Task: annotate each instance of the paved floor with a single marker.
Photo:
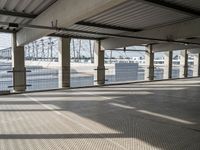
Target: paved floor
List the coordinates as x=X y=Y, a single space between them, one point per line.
x=143 y=116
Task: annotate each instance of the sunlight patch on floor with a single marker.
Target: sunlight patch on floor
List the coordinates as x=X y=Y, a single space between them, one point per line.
x=122 y=106
x=166 y=117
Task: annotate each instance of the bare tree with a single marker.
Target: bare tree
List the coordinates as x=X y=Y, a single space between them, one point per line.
x=111 y=57
x=74 y=51
x=91 y=51
x=79 y=50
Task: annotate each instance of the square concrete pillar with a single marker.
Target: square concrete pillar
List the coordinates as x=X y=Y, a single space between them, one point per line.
x=183 y=64
x=168 y=60
x=196 y=68
x=99 y=63
x=18 y=65
x=64 y=62
x=149 y=63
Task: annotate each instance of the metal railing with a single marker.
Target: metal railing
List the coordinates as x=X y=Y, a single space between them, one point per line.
x=6 y=79
x=82 y=75
x=41 y=78
x=125 y=73
x=45 y=78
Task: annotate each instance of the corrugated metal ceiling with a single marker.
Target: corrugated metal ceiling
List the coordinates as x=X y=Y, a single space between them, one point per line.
x=133 y=14
x=27 y=6
x=136 y=14
x=192 y=4
x=34 y=7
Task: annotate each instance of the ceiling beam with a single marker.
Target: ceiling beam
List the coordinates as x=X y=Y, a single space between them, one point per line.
x=17 y=14
x=74 y=36
x=104 y=35
x=173 y=6
x=194 y=51
x=6 y=31
x=124 y=50
x=104 y=26
x=169 y=46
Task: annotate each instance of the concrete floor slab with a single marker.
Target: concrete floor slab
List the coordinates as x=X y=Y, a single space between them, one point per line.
x=142 y=116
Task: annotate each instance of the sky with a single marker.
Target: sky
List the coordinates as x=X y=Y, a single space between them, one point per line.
x=5 y=40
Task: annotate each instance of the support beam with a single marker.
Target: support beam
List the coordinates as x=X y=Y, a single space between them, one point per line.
x=18 y=64
x=75 y=37
x=149 y=63
x=173 y=46
x=183 y=64
x=65 y=13
x=128 y=50
x=196 y=68
x=64 y=62
x=6 y=31
x=168 y=60
x=99 y=62
x=17 y=14
x=143 y=40
x=113 y=43
x=104 y=26
x=194 y=51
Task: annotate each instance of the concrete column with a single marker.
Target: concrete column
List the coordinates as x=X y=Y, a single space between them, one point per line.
x=196 y=68
x=18 y=65
x=99 y=62
x=149 y=61
x=183 y=64
x=64 y=62
x=168 y=58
